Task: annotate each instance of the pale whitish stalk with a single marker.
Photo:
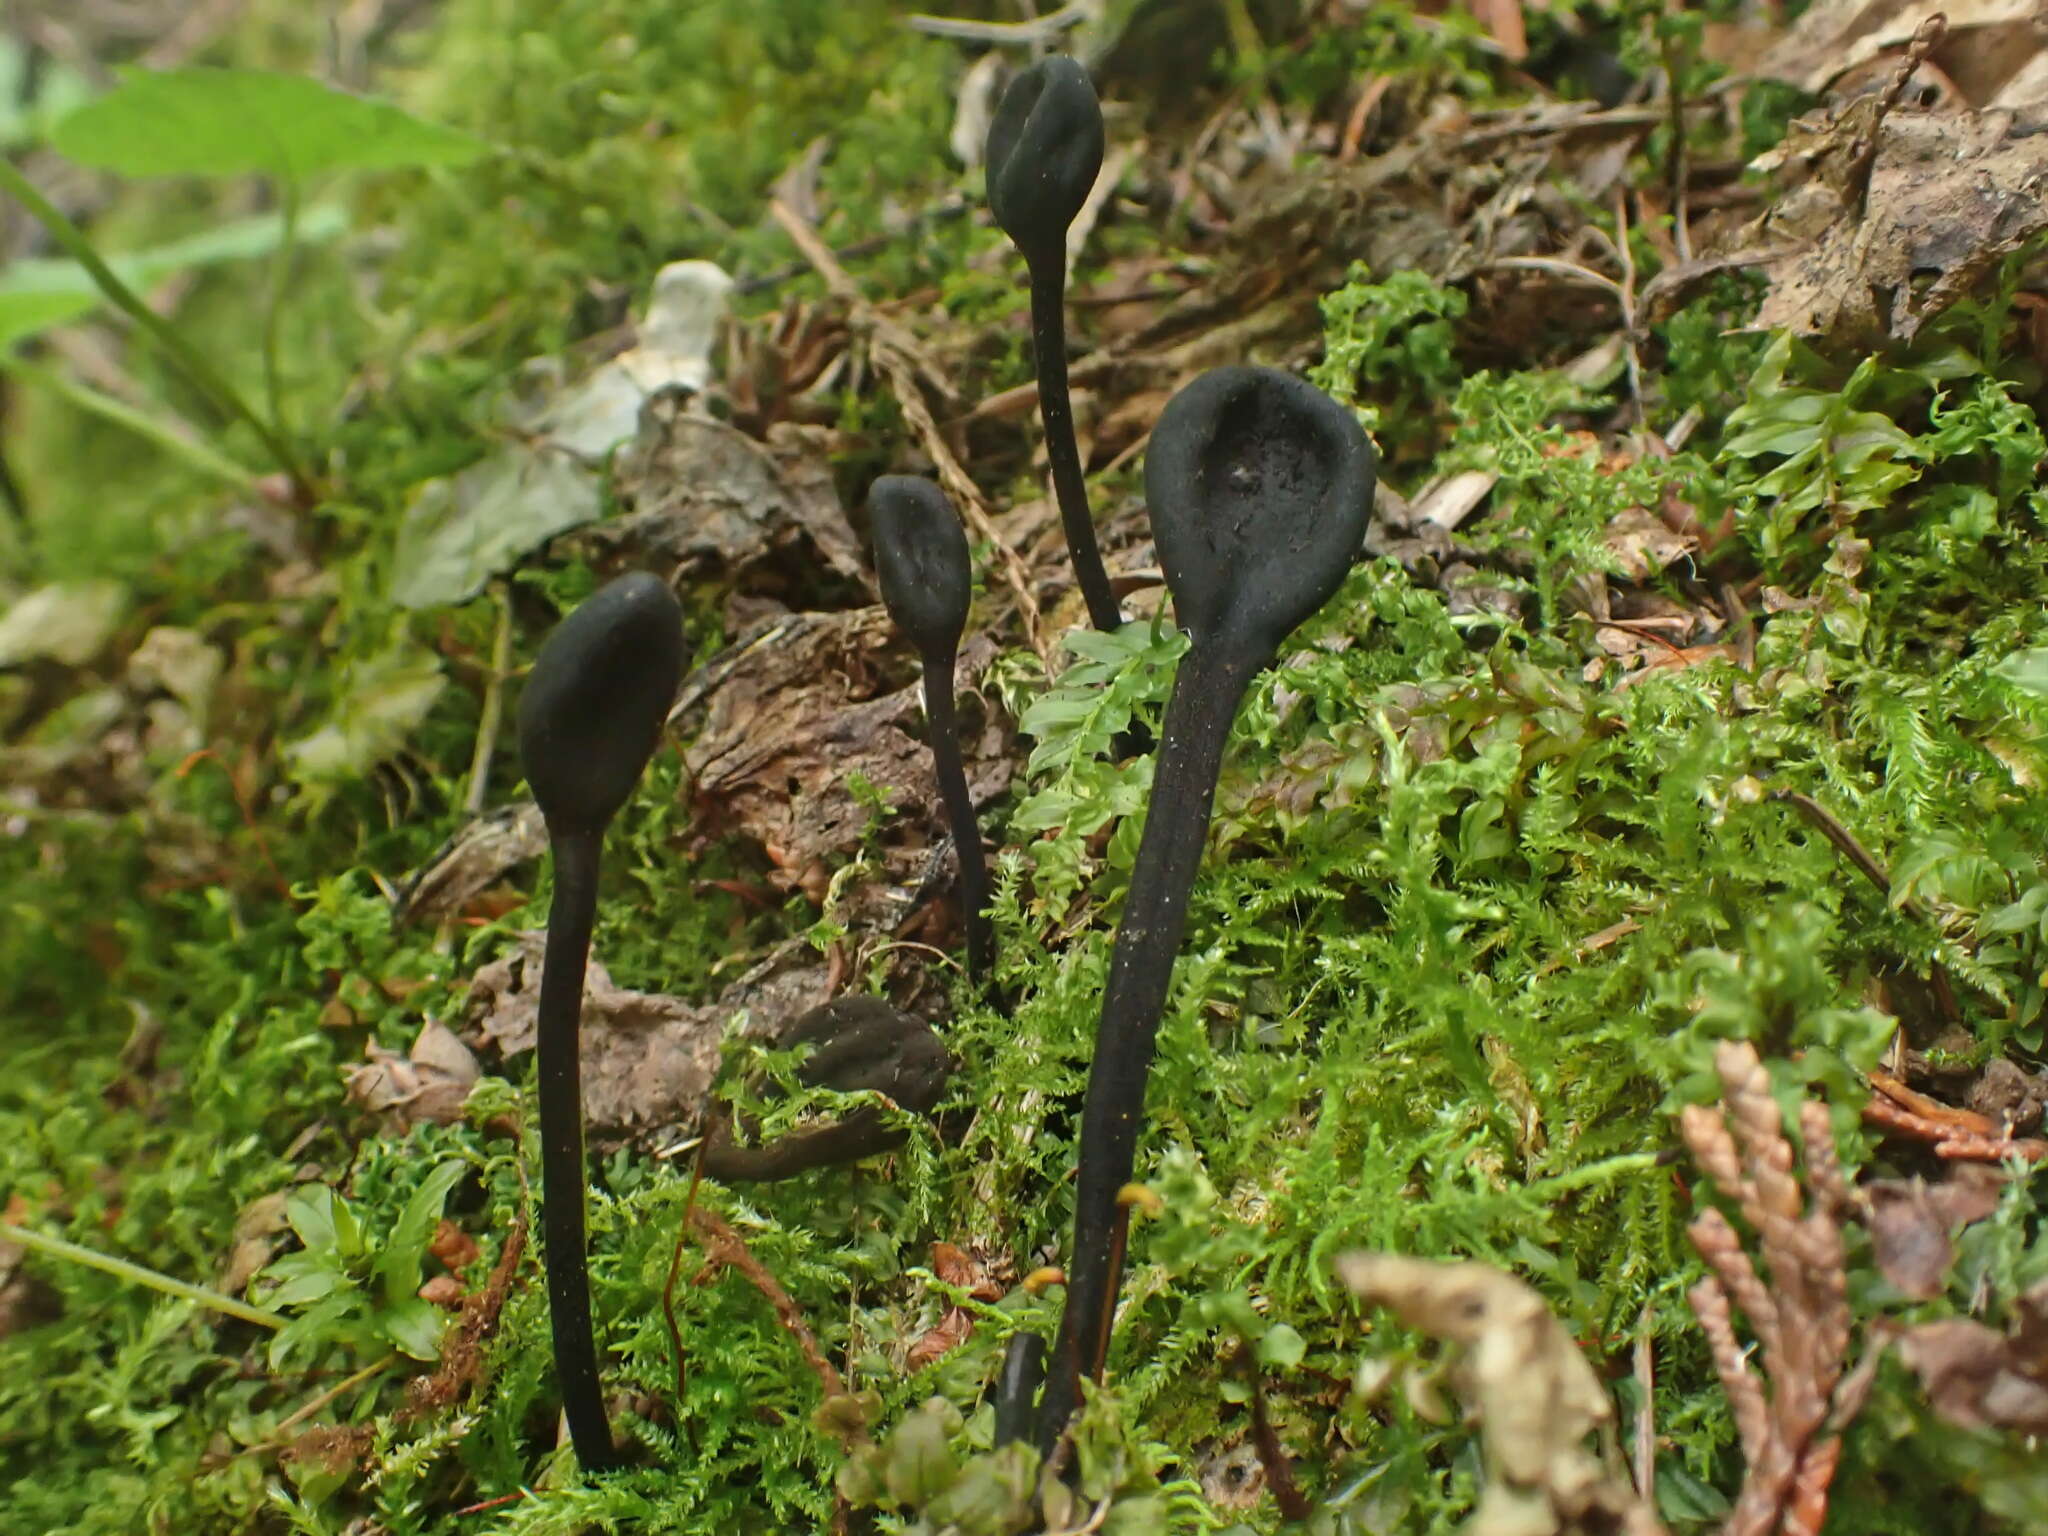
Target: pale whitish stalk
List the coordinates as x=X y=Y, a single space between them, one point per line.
x=122 y=1269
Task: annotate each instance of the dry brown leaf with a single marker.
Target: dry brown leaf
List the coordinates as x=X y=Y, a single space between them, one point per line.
x=1535 y=1398
x=1643 y=544
x=1992 y=54
x=796 y=714
x=426 y=1086
x=1859 y=258
x=471 y=862
x=699 y=495
x=1911 y=1222
x=1977 y=1377
x=648 y=1059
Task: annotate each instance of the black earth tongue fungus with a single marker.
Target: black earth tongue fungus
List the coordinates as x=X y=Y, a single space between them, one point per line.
x=862 y=1044
x=1044 y=153
x=927 y=582
x=1017 y=1388
x=589 y=720
x=1259 y=487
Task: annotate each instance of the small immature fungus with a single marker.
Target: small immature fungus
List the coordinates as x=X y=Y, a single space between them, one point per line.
x=1259 y=486
x=862 y=1044
x=1017 y=1388
x=1044 y=153
x=589 y=720
x=927 y=583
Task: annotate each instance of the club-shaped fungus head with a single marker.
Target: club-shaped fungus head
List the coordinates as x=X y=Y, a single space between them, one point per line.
x=1259 y=486
x=1044 y=153
x=595 y=701
x=922 y=560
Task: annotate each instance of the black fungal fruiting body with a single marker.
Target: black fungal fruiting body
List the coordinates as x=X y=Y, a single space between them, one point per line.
x=1044 y=152
x=862 y=1044
x=1259 y=487
x=589 y=719
x=927 y=583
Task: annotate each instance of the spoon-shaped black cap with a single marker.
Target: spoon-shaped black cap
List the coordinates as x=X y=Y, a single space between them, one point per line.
x=595 y=701
x=1259 y=485
x=1044 y=153
x=922 y=560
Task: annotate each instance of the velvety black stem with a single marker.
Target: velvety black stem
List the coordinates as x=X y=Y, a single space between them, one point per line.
x=944 y=724
x=1206 y=692
x=1056 y=406
x=570 y=917
x=1023 y=1371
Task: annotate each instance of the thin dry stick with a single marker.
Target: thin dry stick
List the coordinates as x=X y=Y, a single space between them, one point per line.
x=725 y=1248
x=903 y=361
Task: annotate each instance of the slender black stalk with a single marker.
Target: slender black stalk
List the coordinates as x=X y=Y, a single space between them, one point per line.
x=1063 y=453
x=1023 y=1370
x=1259 y=487
x=1206 y=692
x=927 y=582
x=942 y=719
x=571 y=915
x=589 y=719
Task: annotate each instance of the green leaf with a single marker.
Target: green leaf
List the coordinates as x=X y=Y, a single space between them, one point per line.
x=1282 y=1348
x=2026 y=670
x=384 y=698
x=310 y=1213
x=398 y=1260
x=44 y=291
x=414 y=1327
x=461 y=531
x=233 y=122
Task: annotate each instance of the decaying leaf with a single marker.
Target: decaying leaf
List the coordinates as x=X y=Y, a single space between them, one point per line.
x=1535 y=1398
x=1980 y=1378
x=380 y=702
x=955 y=1266
x=1911 y=1222
x=803 y=711
x=69 y=624
x=460 y=531
x=648 y=1060
x=698 y=495
x=1995 y=52
x=426 y=1086
x=471 y=862
x=1890 y=218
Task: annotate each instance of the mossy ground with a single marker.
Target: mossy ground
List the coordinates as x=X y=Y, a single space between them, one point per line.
x=1477 y=902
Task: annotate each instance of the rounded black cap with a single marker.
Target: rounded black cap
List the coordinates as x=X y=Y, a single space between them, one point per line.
x=921 y=558
x=1259 y=486
x=1044 y=153
x=595 y=701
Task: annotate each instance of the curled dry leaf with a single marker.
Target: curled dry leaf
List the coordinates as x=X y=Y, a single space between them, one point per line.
x=426 y=1086
x=1870 y=243
x=1995 y=53
x=1978 y=1377
x=1911 y=1222
x=648 y=1059
x=471 y=862
x=1535 y=1398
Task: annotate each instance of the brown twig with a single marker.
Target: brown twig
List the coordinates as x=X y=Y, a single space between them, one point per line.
x=910 y=374
x=724 y=1248
x=1294 y=1504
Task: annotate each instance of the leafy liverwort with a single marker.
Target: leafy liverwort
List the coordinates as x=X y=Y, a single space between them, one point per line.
x=1259 y=486
x=1044 y=153
x=927 y=583
x=589 y=720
